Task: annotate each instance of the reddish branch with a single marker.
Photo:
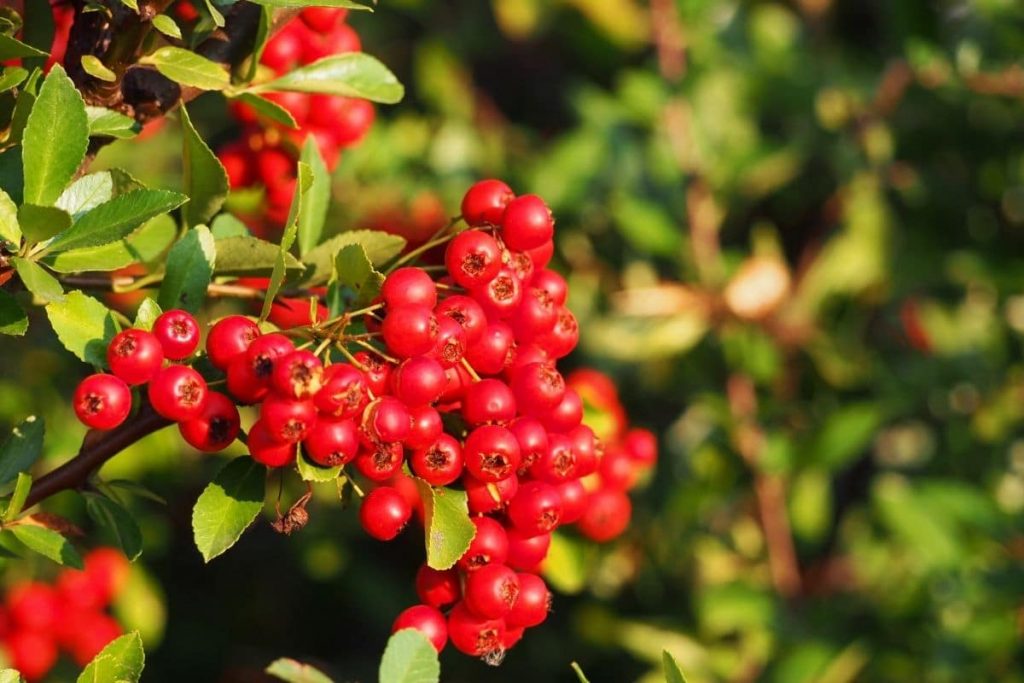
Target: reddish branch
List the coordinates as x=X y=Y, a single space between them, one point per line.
x=97 y=448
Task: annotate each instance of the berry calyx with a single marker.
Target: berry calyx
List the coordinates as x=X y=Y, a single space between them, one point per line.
x=215 y=428
x=135 y=356
x=102 y=401
x=178 y=334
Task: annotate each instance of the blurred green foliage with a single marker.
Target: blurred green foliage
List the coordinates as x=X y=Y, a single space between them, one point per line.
x=793 y=235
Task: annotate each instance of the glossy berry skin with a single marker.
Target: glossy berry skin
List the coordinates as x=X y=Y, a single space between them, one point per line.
x=532 y=438
x=491 y=453
x=527 y=223
x=553 y=284
x=606 y=515
x=178 y=334
x=490 y=544
x=536 y=508
x=538 y=388
x=484 y=203
x=410 y=331
x=425 y=427
x=215 y=428
x=178 y=393
x=642 y=446
x=450 y=346
x=419 y=381
x=380 y=461
x=297 y=375
x=408 y=286
x=287 y=420
x=332 y=442
x=491 y=591
x=243 y=383
x=32 y=653
x=473 y=258
x=558 y=463
x=135 y=356
x=525 y=553
x=488 y=401
x=574 y=500
x=263 y=354
x=102 y=401
x=344 y=391
x=467 y=313
x=439 y=463
x=376 y=372
x=501 y=295
x=427 y=620
x=387 y=420
x=473 y=635
x=535 y=316
x=436 y=587
x=384 y=513
x=532 y=604
x=228 y=338
x=267 y=451
x=494 y=351
x=566 y=416
x=489 y=496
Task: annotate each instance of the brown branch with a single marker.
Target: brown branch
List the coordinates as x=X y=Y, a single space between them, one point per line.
x=770 y=489
x=669 y=39
x=97 y=448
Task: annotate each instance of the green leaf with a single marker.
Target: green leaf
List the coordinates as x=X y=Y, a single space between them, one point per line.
x=448 y=530
x=13 y=320
x=353 y=74
x=55 y=139
x=11 y=48
x=83 y=325
x=352 y=268
x=9 y=229
x=190 y=265
x=312 y=472
x=132 y=4
x=40 y=223
x=313 y=210
x=23 y=107
x=206 y=181
x=19 y=496
x=121 y=661
x=347 y=4
x=112 y=220
x=144 y=245
x=579 y=673
x=409 y=658
x=10 y=676
x=218 y=18
x=305 y=179
x=846 y=434
x=122 y=525
x=567 y=564
x=225 y=225
x=380 y=247
x=48 y=543
x=92 y=65
x=250 y=256
x=22 y=448
x=673 y=674
x=86 y=193
x=147 y=314
x=188 y=68
x=228 y=506
x=11 y=77
x=166 y=26
x=267 y=109
x=296 y=672
x=37 y=280
x=259 y=43
x=111 y=124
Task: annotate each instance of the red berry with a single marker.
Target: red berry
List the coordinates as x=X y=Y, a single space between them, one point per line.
x=237 y=163
x=243 y=383
x=384 y=513
x=587 y=448
x=376 y=372
x=332 y=442
x=562 y=337
x=485 y=202
x=282 y=52
x=490 y=544
x=574 y=500
x=536 y=508
x=228 y=338
x=558 y=463
x=427 y=620
x=287 y=420
x=501 y=295
x=552 y=283
x=450 y=346
x=178 y=393
x=491 y=453
x=491 y=591
x=102 y=401
x=419 y=381
x=467 y=313
x=408 y=286
x=354 y=121
x=107 y=570
x=436 y=587
x=380 y=461
x=425 y=427
x=473 y=258
x=33 y=606
x=344 y=39
x=527 y=223
x=538 y=388
x=265 y=450
x=532 y=604
x=473 y=635
x=525 y=553
x=215 y=428
x=642 y=446
x=521 y=265
x=178 y=334
x=264 y=352
x=135 y=356
x=297 y=375
x=295 y=103
x=489 y=496
x=410 y=330
x=535 y=316
x=494 y=351
x=275 y=166
x=93 y=632
x=322 y=19
x=566 y=415
x=489 y=400
x=512 y=636
x=541 y=256
x=606 y=515
x=532 y=438
x=387 y=419
x=32 y=653
x=344 y=391
x=439 y=463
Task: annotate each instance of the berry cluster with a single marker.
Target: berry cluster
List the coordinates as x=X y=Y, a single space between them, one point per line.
x=39 y=619
x=267 y=152
x=207 y=420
